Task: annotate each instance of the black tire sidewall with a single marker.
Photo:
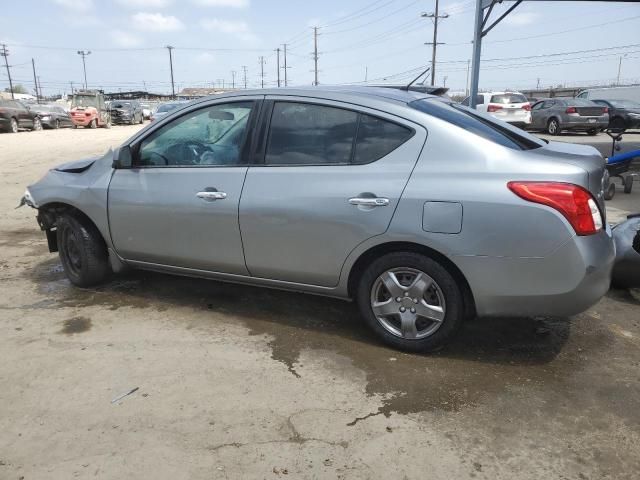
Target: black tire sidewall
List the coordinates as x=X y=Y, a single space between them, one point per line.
x=557 y=131
x=93 y=253
x=454 y=300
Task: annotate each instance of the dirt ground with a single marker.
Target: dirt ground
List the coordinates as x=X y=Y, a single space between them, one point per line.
x=237 y=382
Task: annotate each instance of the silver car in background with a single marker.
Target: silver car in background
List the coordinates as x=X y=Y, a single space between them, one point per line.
x=423 y=211
x=555 y=115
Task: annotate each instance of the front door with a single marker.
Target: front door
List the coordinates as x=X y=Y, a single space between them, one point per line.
x=332 y=177
x=178 y=205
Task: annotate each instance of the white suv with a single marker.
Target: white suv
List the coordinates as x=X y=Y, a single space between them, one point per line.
x=511 y=107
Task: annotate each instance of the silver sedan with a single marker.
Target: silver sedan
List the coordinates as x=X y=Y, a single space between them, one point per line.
x=424 y=212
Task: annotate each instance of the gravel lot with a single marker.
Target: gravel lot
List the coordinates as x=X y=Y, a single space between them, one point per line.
x=238 y=382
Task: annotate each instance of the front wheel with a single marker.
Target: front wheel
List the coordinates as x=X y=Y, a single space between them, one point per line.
x=553 y=127
x=410 y=301
x=82 y=251
x=37 y=124
x=56 y=125
x=13 y=126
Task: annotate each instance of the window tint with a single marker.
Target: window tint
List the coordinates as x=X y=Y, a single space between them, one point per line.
x=483 y=126
x=377 y=138
x=537 y=106
x=307 y=134
x=508 y=98
x=209 y=136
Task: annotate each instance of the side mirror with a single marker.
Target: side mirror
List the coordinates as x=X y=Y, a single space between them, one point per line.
x=122 y=158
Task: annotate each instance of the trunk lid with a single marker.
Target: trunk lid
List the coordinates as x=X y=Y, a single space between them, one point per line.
x=590 y=111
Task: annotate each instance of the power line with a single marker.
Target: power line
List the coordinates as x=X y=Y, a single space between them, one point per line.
x=358 y=13
x=373 y=21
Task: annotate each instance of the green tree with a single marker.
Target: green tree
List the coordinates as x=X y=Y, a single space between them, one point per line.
x=17 y=89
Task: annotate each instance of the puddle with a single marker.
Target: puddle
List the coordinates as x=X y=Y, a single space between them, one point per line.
x=488 y=358
x=76 y=325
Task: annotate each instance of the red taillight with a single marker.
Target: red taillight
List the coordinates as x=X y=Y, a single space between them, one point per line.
x=87 y=114
x=571 y=110
x=527 y=107
x=605 y=110
x=493 y=108
x=574 y=202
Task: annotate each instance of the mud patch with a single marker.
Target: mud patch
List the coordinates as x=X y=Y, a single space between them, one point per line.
x=75 y=325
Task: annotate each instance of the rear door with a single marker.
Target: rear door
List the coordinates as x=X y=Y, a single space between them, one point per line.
x=331 y=178
x=178 y=205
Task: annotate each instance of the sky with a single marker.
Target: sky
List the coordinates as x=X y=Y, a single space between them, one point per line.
x=545 y=43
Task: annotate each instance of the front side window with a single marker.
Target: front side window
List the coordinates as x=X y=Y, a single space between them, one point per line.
x=308 y=134
x=206 y=137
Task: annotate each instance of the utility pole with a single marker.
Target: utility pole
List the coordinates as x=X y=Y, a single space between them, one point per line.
x=40 y=87
x=5 y=53
x=173 y=87
x=233 y=79
x=466 y=84
x=538 y=84
x=285 y=64
x=35 y=80
x=83 y=54
x=619 y=70
x=435 y=16
x=71 y=83
x=315 y=55
x=444 y=83
x=261 y=71
x=366 y=73
x=278 y=68
x=244 y=75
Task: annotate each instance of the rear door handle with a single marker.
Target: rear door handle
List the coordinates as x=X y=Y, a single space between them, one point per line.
x=211 y=196
x=369 y=201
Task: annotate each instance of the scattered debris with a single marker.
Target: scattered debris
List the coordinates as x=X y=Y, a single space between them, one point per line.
x=120 y=397
x=328 y=462
x=389 y=429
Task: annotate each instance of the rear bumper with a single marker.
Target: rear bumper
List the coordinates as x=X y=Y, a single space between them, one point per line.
x=82 y=121
x=584 y=123
x=565 y=283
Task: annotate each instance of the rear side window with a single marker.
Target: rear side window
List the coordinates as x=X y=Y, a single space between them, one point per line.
x=483 y=126
x=310 y=134
x=307 y=134
x=377 y=138
x=508 y=98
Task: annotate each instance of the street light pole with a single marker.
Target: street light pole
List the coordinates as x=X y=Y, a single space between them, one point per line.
x=173 y=87
x=83 y=54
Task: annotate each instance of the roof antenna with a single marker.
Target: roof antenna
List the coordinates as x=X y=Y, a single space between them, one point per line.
x=415 y=79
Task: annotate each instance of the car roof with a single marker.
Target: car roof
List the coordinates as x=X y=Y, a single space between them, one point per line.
x=336 y=92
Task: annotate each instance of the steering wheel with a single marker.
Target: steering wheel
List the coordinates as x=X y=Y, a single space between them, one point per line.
x=188 y=153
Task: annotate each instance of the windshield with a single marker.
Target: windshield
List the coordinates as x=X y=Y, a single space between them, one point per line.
x=484 y=126
x=624 y=103
x=121 y=105
x=508 y=98
x=85 y=101
x=167 y=107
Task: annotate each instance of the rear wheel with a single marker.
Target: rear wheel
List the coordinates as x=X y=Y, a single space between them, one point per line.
x=82 y=251
x=13 y=126
x=410 y=301
x=37 y=124
x=592 y=131
x=611 y=192
x=553 y=127
x=628 y=184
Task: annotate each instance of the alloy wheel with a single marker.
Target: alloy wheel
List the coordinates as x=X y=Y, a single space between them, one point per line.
x=37 y=124
x=408 y=303
x=14 y=126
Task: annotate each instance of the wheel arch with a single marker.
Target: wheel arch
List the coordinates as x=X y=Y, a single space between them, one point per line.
x=379 y=250
x=49 y=212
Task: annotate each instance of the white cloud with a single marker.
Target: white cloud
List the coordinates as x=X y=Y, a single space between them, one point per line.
x=124 y=39
x=222 y=3
x=76 y=5
x=145 y=3
x=205 y=58
x=230 y=27
x=519 y=19
x=156 y=22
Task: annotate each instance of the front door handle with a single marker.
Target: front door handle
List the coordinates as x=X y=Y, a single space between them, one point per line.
x=211 y=196
x=369 y=201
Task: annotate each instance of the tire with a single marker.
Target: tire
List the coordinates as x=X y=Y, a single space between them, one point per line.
x=617 y=123
x=82 y=251
x=442 y=298
x=56 y=124
x=553 y=127
x=592 y=131
x=108 y=123
x=611 y=192
x=93 y=123
x=37 y=125
x=13 y=126
x=628 y=184
x=141 y=119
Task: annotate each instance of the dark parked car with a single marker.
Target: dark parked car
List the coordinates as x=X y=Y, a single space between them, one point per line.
x=556 y=114
x=52 y=116
x=623 y=114
x=15 y=115
x=164 y=109
x=128 y=111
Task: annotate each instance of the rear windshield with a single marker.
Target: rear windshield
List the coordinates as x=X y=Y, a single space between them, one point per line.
x=483 y=126
x=508 y=98
x=581 y=102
